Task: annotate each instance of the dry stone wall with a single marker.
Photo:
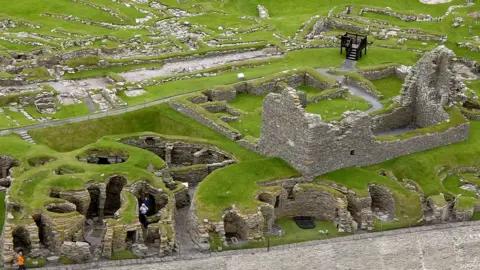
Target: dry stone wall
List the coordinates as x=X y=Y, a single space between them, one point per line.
x=431 y=85
x=78 y=252
x=382 y=199
x=6 y=163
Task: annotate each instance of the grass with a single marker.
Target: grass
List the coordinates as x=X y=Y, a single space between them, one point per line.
x=466 y=203
x=438 y=200
x=250 y=122
x=291 y=233
x=123 y=255
x=389 y=86
x=68 y=111
x=332 y=109
x=474 y=85
x=72 y=111
x=238 y=186
x=32 y=186
x=35 y=263
x=19 y=118
x=6 y=75
x=34 y=74
x=453 y=184
x=160 y=119
x=309 y=90
x=65 y=260
x=247 y=103
x=115 y=77
x=408 y=207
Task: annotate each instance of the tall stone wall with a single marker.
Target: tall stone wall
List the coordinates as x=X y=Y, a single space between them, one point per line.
x=396 y=118
x=286 y=129
x=430 y=85
x=314 y=147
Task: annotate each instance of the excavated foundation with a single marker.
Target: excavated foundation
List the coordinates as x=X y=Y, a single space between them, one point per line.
x=103 y=156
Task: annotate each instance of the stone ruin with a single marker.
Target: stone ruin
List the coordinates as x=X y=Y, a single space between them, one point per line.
x=315 y=147
x=103 y=156
x=91 y=223
x=262 y=12
x=186 y=162
x=288 y=198
x=88 y=224
x=6 y=164
x=45 y=103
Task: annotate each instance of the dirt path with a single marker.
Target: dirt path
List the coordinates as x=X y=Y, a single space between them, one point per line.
x=195 y=65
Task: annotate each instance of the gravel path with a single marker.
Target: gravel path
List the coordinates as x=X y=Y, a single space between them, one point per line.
x=441 y=247
x=375 y=104
x=195 y=65
x=437 y=250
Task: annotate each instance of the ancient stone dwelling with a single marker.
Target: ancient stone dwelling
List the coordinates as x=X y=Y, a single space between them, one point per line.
x=315 y=147
x=94 y=222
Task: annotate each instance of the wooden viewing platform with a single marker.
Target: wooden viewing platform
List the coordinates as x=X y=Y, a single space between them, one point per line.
x=353 y=44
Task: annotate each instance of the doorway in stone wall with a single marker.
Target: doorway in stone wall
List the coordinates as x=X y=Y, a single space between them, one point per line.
x=94 y=206
x=22 y=240
x=131 y=238
x=113 y=200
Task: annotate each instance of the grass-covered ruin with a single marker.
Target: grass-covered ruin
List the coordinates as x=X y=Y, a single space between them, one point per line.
x=231 y=118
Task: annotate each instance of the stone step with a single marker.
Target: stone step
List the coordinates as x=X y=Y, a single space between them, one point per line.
x=26 y=137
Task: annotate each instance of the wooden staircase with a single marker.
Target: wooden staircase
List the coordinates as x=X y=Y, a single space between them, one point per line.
x=352 y=54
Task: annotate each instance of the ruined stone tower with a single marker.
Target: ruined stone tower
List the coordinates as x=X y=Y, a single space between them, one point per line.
x=315 y=147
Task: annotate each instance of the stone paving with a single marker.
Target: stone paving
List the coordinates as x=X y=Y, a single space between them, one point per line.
x=440 y=247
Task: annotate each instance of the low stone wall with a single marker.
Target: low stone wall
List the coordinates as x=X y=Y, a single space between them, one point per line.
x=379 y=74
x=223 y=95
x=360 y=85
x=472 y=115
x=311 y=81
x=403 y=17
x=332 y=95
x=198 y=230
x=80 y=198
x=391 y=71
x=78 y=252
x=463 y=214
x=440 y=212
x=192 y=113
